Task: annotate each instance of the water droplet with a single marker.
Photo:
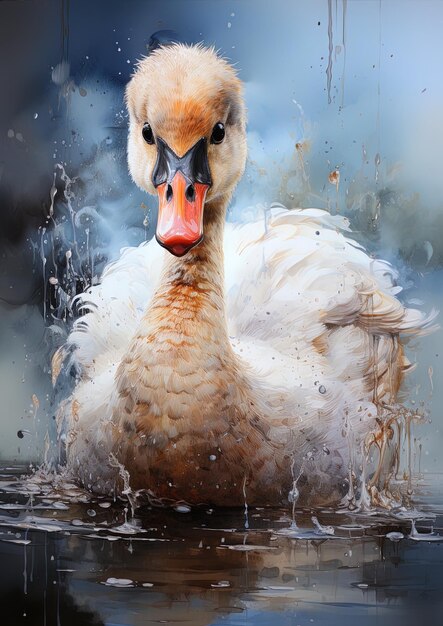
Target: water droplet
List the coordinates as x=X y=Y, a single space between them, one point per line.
x=182 y=508
x=395 y=536
x=60 y=505
x=293 y=495
x=322 y=389
x=118 y=582
x=60 y=73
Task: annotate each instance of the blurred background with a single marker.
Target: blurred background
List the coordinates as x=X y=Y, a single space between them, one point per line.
x=345 y=102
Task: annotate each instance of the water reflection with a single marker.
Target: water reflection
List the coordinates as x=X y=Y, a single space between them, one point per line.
x=72 y=560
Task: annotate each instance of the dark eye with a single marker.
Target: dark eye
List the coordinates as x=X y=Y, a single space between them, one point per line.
x=147 y=133
x=218 y=133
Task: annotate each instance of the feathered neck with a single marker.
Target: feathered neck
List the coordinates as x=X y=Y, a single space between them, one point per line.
x=191 y=288
x=184 y=397
x=182 y=342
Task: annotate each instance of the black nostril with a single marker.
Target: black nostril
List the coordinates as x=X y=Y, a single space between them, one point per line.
x=168 y=193
x=190 y=193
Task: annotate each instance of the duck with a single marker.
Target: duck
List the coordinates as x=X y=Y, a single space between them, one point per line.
x=227 y=363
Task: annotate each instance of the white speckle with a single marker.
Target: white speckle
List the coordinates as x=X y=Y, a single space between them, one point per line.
x=35 y=116
x=395 y=536
x=182 y=508
x=60 y=505
x=212 y=457
x=60 y=73
x=19 y=137
x=229 y=24
x=119 y=582
x=11 y=133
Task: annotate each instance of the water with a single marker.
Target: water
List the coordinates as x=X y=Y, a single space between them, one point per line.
x=77 y=559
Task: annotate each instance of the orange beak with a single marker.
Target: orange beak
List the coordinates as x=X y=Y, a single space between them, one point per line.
x=180 y=214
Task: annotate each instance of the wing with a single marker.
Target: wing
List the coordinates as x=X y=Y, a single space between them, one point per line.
x=315 y=316
x=112 y=310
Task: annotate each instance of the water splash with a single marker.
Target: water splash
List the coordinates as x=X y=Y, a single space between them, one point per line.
x=322 y=530
x=127 y=490
x=415 y=535
x=377 y=478
x=344 y=12
x=330 y=50
x=246 y=504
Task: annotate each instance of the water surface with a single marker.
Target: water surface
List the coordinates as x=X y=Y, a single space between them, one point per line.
x=69 y=558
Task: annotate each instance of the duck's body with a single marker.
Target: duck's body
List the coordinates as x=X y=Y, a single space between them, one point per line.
x=226 y=389
x=194 y=407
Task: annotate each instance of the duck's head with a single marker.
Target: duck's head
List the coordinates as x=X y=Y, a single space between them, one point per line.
x=187 y=139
